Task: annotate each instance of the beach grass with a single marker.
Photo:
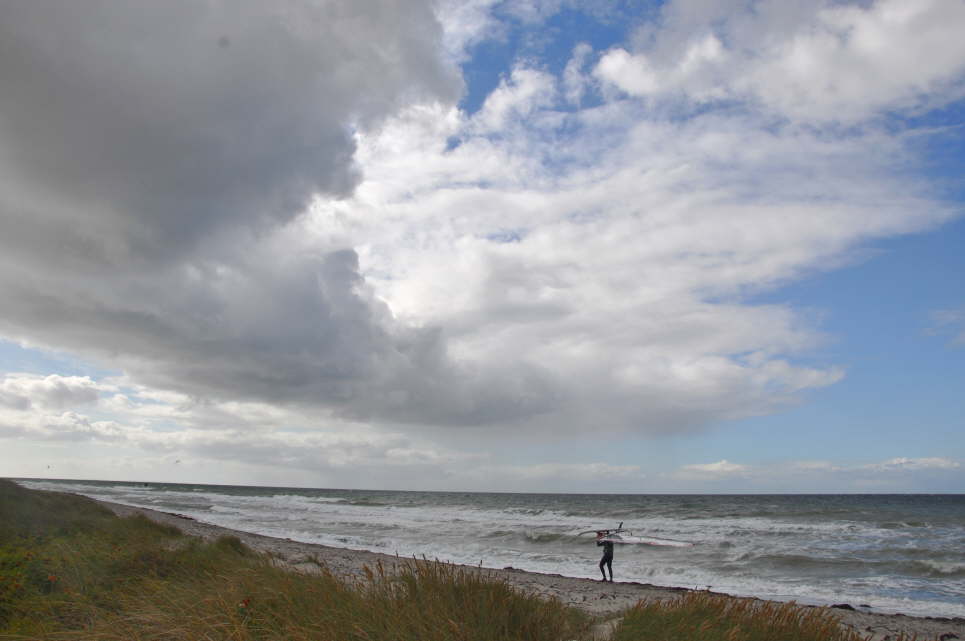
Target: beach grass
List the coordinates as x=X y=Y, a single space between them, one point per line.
x=708 y=617
x=70 y=569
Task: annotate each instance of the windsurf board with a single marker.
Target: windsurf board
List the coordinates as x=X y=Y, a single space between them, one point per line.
x=644 y=540
x=622 y=535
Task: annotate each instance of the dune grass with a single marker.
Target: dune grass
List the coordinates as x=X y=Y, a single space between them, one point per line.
x=70 y=569
x=707 y=617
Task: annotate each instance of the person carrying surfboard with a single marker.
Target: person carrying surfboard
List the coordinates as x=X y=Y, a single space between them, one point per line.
x=607 y=559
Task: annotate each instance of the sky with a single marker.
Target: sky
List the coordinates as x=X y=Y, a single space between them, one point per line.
x=480 y=245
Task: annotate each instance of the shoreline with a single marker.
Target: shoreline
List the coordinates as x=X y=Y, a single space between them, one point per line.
x=594 y=597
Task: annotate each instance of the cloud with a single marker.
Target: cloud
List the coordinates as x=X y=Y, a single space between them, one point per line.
x=63 y=427
x=320 y=453
x=805 y=61
x=901 y=464
x=886 y=468
x=811 y=466
x=467 y=23
x=575 y=81
x=720 y=468
x=534 y=268
x=231 y=434
x=612 y=254
x=156 y=162
x=516 y=99
x=949 y=321
x=921 y=474
x=200 y=434
x=569 y=472
x=23 y=391
x=137 y=133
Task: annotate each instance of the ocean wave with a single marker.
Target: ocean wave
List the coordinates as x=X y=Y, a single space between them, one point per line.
x=222 y=509
x=553 y=537
x=366 y=502
x=798 y=564
x=936 y=569
x=302 y=498
x=920 y=550
x=900 y=525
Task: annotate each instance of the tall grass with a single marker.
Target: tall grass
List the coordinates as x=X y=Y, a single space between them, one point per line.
x=71 y=570
x=25 y=513
x=706 y=617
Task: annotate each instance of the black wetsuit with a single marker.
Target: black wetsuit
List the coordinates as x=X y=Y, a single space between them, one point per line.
x=607 y=559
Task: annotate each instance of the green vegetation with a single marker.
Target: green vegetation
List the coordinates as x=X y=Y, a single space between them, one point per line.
x=708 y=617
x=71 y=570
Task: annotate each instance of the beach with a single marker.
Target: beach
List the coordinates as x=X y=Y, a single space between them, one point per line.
x=886 y=554
x=595 y=597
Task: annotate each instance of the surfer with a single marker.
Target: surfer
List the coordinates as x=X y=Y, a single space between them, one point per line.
x=607 y=559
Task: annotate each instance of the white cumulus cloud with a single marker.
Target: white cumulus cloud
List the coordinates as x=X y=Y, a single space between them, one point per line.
x=722 y=467
x=823 y=61
x=23 y=391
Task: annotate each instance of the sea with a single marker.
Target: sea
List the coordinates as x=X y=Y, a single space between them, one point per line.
x=881 y=553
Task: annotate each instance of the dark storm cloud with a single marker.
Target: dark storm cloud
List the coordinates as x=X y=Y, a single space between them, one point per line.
x=152 y=159
x=139 y=128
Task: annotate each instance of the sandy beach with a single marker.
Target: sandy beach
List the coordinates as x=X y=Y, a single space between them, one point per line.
x=595 y=597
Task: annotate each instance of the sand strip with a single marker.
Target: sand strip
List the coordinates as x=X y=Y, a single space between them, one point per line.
x=594 y=597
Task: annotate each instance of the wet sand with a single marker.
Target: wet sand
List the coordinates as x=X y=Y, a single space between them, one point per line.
x=595 y=597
